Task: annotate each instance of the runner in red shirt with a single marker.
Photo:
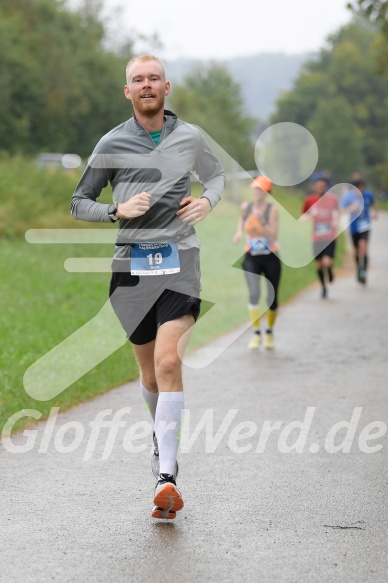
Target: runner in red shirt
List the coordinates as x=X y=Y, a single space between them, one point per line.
x=322 y=207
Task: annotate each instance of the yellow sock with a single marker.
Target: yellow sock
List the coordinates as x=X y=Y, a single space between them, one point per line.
x=271 y=317
x=254 y=315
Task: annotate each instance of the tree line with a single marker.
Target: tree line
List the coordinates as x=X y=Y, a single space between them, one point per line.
x=342 y=98
x=62 y=88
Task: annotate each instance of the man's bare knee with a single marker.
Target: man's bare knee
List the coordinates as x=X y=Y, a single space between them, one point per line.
x=168 y=366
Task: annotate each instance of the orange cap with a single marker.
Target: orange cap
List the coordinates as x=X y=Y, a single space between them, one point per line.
x=262 y=182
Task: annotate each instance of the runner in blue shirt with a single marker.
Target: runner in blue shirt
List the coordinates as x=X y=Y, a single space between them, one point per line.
x=361 y=223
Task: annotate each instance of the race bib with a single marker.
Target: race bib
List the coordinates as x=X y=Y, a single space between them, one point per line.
x=157 y=258
x=322 y=228
x=259 y=246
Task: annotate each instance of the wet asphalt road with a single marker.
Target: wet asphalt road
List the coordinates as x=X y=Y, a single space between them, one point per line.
x=255 y=509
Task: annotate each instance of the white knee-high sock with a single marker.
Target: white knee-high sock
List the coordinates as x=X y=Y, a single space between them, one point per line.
x=168 y=421
x=151 y=400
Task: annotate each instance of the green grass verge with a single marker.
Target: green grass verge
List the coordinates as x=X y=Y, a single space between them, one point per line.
x=42 y=304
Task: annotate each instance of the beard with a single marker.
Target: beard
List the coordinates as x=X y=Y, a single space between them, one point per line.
x=149 y=108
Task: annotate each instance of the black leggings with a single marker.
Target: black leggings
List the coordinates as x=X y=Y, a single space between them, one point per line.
x=270 y=267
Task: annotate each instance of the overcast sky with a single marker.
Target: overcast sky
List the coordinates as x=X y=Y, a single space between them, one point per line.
x=208 y=29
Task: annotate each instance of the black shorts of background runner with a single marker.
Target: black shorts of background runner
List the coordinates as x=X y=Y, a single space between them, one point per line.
x=356 y=237
x=143 y=303
x=267 y=265
x=324 y=249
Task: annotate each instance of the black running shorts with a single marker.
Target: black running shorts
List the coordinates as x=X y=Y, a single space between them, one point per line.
x=324 y=249
x=143 y=303
x=356 y=237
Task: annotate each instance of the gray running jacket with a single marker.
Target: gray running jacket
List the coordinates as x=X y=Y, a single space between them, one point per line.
x=127 y=158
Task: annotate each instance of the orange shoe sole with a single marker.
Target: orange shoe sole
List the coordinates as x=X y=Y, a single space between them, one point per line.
x=169 y=498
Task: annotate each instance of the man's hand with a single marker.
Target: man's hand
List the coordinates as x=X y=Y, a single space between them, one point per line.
x=194 y=209
x=134 y=207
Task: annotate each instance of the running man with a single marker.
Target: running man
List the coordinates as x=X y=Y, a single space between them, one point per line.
x=359 y=203
x=259 y=219
x=155 y=283
x=322 y=208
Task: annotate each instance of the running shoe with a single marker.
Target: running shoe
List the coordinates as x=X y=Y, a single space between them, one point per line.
x=324 y=293
x=255 y=341
x=155 y=464
x=269 y=342
x=167 y=498
x=362 y=276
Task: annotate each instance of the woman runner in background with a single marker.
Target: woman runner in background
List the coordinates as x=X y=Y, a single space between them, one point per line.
x=259 y=219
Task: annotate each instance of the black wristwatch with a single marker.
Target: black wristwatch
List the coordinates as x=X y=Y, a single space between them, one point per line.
x=112 y=210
